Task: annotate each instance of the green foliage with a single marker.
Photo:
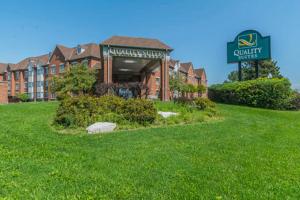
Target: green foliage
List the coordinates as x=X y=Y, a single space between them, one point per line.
x=264 y=93
x=183 y=101
x=201 y=88
x=203 y=103
x=176 y=83
x=77 y=80
x=23 y=97
x=79 y=111
x=199 y=103
x=294 y=103
x=83 y=110
x=141 y=111
x=266 y=68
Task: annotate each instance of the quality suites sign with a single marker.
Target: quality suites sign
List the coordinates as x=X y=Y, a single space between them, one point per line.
x=249 y=45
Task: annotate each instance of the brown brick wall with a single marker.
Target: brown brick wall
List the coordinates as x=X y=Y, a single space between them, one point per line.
x=3 y=92
x=12 y=85
x=93 y=62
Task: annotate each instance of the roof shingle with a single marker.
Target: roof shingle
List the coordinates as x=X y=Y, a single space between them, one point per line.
x=42 y=60
x=199 y=72
x=184 y=67
x=136 y=42
x=90 y=50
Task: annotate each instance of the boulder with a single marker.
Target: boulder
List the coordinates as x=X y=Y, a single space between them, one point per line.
x=167 y=114
x=101 y=127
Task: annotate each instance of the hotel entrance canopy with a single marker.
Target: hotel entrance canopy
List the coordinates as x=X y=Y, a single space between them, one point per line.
x=133 y=59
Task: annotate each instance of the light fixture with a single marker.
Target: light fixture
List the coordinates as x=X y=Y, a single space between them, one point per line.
x=129 y=61
x=124 y=70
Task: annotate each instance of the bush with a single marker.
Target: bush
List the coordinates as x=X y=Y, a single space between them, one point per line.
x=83 y=110
x=265 y=93
x=294 y=103
x=141 y=111
x=23 y=97
x=79 y=111
x=203 y=103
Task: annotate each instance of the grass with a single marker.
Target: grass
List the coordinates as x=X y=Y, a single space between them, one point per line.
x=250 y=154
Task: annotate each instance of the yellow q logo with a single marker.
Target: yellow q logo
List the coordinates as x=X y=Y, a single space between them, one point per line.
x=249 y=40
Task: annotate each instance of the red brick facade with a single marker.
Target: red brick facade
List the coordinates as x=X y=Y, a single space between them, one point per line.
x=3 y=92
x=64 y=57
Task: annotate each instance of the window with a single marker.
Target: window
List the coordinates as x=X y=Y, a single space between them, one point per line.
x=5 y=76
x=17 y=86
x=53 y=69
x=46 y=84
x=74 y=63
x=157 y=80
x=17 y=76
x=39 y=83
x=26 y=75
x=9 y=76
x=46 y=71
x=39 y=95
x=61 y=68
x=40 y=71
x=30 y=84
x=157 y=92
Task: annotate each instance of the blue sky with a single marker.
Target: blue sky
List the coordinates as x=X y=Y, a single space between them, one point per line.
x=197 y=30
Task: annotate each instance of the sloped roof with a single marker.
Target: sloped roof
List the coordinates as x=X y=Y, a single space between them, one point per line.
x=184 y=67
x=136 y=42
x=90 y=50
x=172 y=62
x=199 y=72
x=42 y=60
x=3 y=67
x=66 y=51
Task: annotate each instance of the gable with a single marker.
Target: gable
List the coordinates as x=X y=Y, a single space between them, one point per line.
x=57 y=56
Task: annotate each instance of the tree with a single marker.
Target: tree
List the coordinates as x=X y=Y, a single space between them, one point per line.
x=267 y=68
x=177 y=84
x=77 y=80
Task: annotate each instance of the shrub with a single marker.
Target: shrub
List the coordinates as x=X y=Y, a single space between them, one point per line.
x=294 y=102
x=83 y=110
x=110 y=103
x=79 y=111
x=203 y=103
x=265 y=93
x=23 y=97
x=141 y=111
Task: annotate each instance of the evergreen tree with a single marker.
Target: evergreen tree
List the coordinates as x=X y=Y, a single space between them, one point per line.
x=267 y=68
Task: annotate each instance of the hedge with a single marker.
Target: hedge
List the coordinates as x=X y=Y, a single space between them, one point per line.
x=264 y=93
x=84 y=110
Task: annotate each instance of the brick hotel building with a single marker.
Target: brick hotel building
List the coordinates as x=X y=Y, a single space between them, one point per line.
x=117 y=60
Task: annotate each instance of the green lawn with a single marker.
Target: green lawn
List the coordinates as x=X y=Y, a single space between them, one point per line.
x=250 y=154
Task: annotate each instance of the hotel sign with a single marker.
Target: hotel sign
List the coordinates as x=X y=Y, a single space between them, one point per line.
x=247 y=46
x=137 y=53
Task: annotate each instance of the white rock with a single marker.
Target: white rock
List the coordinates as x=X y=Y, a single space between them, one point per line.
x=167 y=114
x=101 y=127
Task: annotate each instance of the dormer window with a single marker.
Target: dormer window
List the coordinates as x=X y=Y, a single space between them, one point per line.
x=79 y=49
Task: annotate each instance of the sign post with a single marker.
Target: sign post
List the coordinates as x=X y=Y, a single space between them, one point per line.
x=247 y=46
